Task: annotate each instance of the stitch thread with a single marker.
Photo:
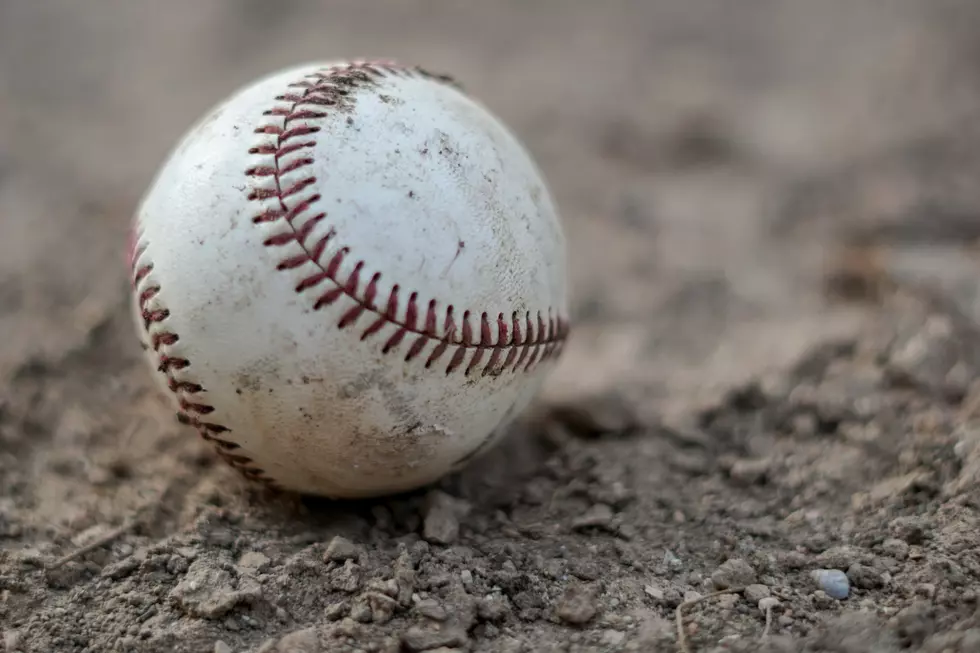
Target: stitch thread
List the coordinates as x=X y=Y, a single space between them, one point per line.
x=543 y=336
x=190 y=411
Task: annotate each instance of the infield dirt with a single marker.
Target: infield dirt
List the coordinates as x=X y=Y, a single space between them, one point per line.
x=774 y=217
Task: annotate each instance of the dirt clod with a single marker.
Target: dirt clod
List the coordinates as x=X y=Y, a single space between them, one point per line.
x=442 y=515
x=864 y=577
x=300 y=641
x=340 y=550
x=896 y=549
x=734 y=573
x=577 y=606
x=840 y=557
x=755 y=593
x=771 y=221
x=209 y=591
x=418 y=639
x=495 y=607
x=346 y=578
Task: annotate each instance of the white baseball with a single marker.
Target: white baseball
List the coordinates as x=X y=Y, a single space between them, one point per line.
x=350 y=277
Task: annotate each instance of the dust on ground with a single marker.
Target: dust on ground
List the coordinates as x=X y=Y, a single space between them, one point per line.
x=771 y=391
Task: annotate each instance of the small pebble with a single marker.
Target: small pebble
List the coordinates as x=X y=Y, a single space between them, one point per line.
x=346 y=578
x=612 y=638
x=188 y=552
x=340 y=549
x=822 y=601
x=598 y=516
x=895 y=548
x=750 y=471
x=755 y=593
x=253 y=561
x=430 y=609
x=654 y=592
x=577 y=606
x=832 y=581
x=442 y=515
x=792 y=560
x=887 y=566
x=221 y=647
x=733 y=573
x=672 y=562
x=361 y=611
x=300 y=640
x=728 y=601
x=864 y=577
x=419 y=639
x=336 y=611
x=382 y=607
x=839 y=557
x=494 y=607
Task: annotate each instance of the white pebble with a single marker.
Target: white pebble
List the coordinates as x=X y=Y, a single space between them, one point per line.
x=833 y=582
x=769 y=603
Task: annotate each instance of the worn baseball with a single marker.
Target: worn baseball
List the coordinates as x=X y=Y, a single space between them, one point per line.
x=349 y=277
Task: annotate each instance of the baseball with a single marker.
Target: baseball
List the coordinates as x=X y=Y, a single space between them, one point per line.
x=349 y=277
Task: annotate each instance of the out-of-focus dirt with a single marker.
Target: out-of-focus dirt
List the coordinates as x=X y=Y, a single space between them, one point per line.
x=774 y=219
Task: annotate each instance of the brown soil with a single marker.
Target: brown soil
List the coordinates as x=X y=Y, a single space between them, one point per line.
x=774 y=220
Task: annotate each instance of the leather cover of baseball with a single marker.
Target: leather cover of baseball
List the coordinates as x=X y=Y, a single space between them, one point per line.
x=350 y=277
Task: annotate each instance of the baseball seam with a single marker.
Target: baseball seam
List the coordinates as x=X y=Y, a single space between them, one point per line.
x=521 y=341
x=160 y=339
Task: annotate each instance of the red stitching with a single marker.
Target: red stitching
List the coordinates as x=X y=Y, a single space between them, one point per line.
x=162 y=338
x=540 y=340
x=190 y=411
x=169 y=363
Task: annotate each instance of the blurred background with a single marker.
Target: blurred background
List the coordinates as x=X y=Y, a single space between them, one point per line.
x=693 y=147
x=741 y=183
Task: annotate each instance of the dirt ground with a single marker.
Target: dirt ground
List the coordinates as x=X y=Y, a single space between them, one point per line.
x=774 y=223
